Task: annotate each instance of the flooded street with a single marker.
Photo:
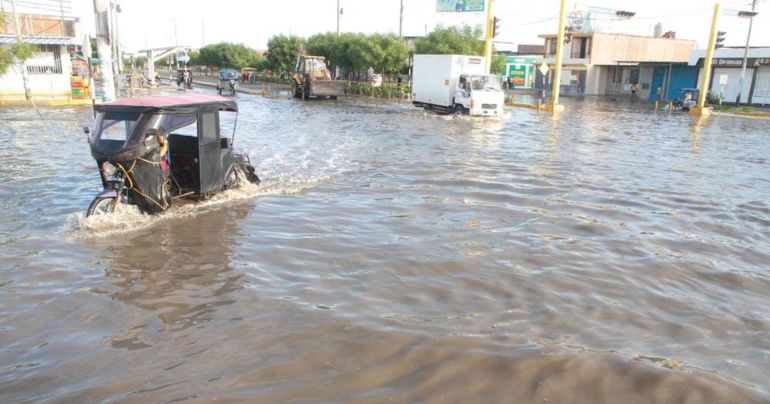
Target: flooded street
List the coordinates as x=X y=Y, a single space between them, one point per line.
x=605 y=255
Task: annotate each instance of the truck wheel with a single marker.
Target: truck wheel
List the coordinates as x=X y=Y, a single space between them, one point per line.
x=458 y=110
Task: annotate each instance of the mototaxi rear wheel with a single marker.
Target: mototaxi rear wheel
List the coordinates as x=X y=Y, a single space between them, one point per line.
x=101 y=205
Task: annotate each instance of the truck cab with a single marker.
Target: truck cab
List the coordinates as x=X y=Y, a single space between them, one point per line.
x=479 y=95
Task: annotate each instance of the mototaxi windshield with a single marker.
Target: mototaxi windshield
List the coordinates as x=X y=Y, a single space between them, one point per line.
x=117 y=131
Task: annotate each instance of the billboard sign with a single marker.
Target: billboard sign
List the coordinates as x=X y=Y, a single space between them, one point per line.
x=459 y=6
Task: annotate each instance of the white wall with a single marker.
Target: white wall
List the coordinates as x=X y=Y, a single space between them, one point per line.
x=645 y=77
x=42 y=86
x=762 y=87
x=731 y=88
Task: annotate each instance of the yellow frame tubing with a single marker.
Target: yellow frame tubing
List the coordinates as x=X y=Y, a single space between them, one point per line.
x=706 y=76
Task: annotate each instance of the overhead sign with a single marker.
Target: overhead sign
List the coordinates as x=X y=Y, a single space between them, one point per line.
x=459 y=6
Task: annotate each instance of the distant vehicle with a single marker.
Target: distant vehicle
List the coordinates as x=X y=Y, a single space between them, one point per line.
x=249 y=74
x=141 y=162
x=312 y=79
x=688 y=98
x=375 y=80
x=228 y=80
x=456 y=84
x=184 y=78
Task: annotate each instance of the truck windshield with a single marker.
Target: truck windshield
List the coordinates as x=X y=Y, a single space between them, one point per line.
x=485 y=83
x=314 y=65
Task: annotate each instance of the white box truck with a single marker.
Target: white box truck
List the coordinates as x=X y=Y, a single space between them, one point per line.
x=455 y=84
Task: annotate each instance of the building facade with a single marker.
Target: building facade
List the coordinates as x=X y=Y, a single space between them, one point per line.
x=726 y=72
x=597 y=63
x=520 y=66
x=50 y=26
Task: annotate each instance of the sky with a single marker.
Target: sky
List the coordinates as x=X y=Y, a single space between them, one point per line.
x=156 y=23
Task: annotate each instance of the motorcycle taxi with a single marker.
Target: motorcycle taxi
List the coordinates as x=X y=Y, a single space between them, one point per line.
x=153 y=150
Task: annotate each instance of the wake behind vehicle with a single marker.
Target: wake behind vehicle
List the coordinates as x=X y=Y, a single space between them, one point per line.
x=153 y=150
x=456 y=84
x=228 y=80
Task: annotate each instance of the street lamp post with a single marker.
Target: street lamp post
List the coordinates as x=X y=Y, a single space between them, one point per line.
x=700 y=108
x=556 y=83
x=338 y=17
x=488 y=39
x=750 y=15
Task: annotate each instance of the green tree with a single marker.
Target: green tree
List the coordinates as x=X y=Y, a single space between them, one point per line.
x=385 y=53
x=322 y=45
x=498 y=62
x=195 y=58
x=226 y=55
x=388 y=53
x=282 y=52
x=462 y=40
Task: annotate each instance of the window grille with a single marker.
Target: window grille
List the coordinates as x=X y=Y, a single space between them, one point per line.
x=55 y=68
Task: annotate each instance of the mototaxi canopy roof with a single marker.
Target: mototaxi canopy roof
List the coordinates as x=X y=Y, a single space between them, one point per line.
x=186 y=103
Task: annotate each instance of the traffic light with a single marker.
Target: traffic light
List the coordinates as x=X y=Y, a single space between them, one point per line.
x=720 y=38
x=625 y=14
x=495 y=26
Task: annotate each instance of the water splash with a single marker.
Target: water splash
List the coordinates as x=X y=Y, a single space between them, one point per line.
x=128 y=218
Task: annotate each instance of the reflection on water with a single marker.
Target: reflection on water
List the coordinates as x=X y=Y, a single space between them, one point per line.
x=600 y=255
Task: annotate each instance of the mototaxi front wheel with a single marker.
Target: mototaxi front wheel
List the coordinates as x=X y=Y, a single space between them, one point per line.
x=233 y=177
x=101 y=205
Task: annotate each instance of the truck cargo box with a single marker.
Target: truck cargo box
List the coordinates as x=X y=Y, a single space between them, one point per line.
x=434 y=77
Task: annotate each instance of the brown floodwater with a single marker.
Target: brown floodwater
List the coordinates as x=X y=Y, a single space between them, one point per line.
x=606 y=255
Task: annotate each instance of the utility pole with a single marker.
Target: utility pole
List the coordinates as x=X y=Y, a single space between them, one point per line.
x=115 y=43
x=555 y=87
x=16 y=24
x=488 y=39
x=338 y=17
x=176 y=45
x=102 y=18
x=401 y=21
x=203 y=34
x=746 y=54
x=701 y=109
x=88 y=55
